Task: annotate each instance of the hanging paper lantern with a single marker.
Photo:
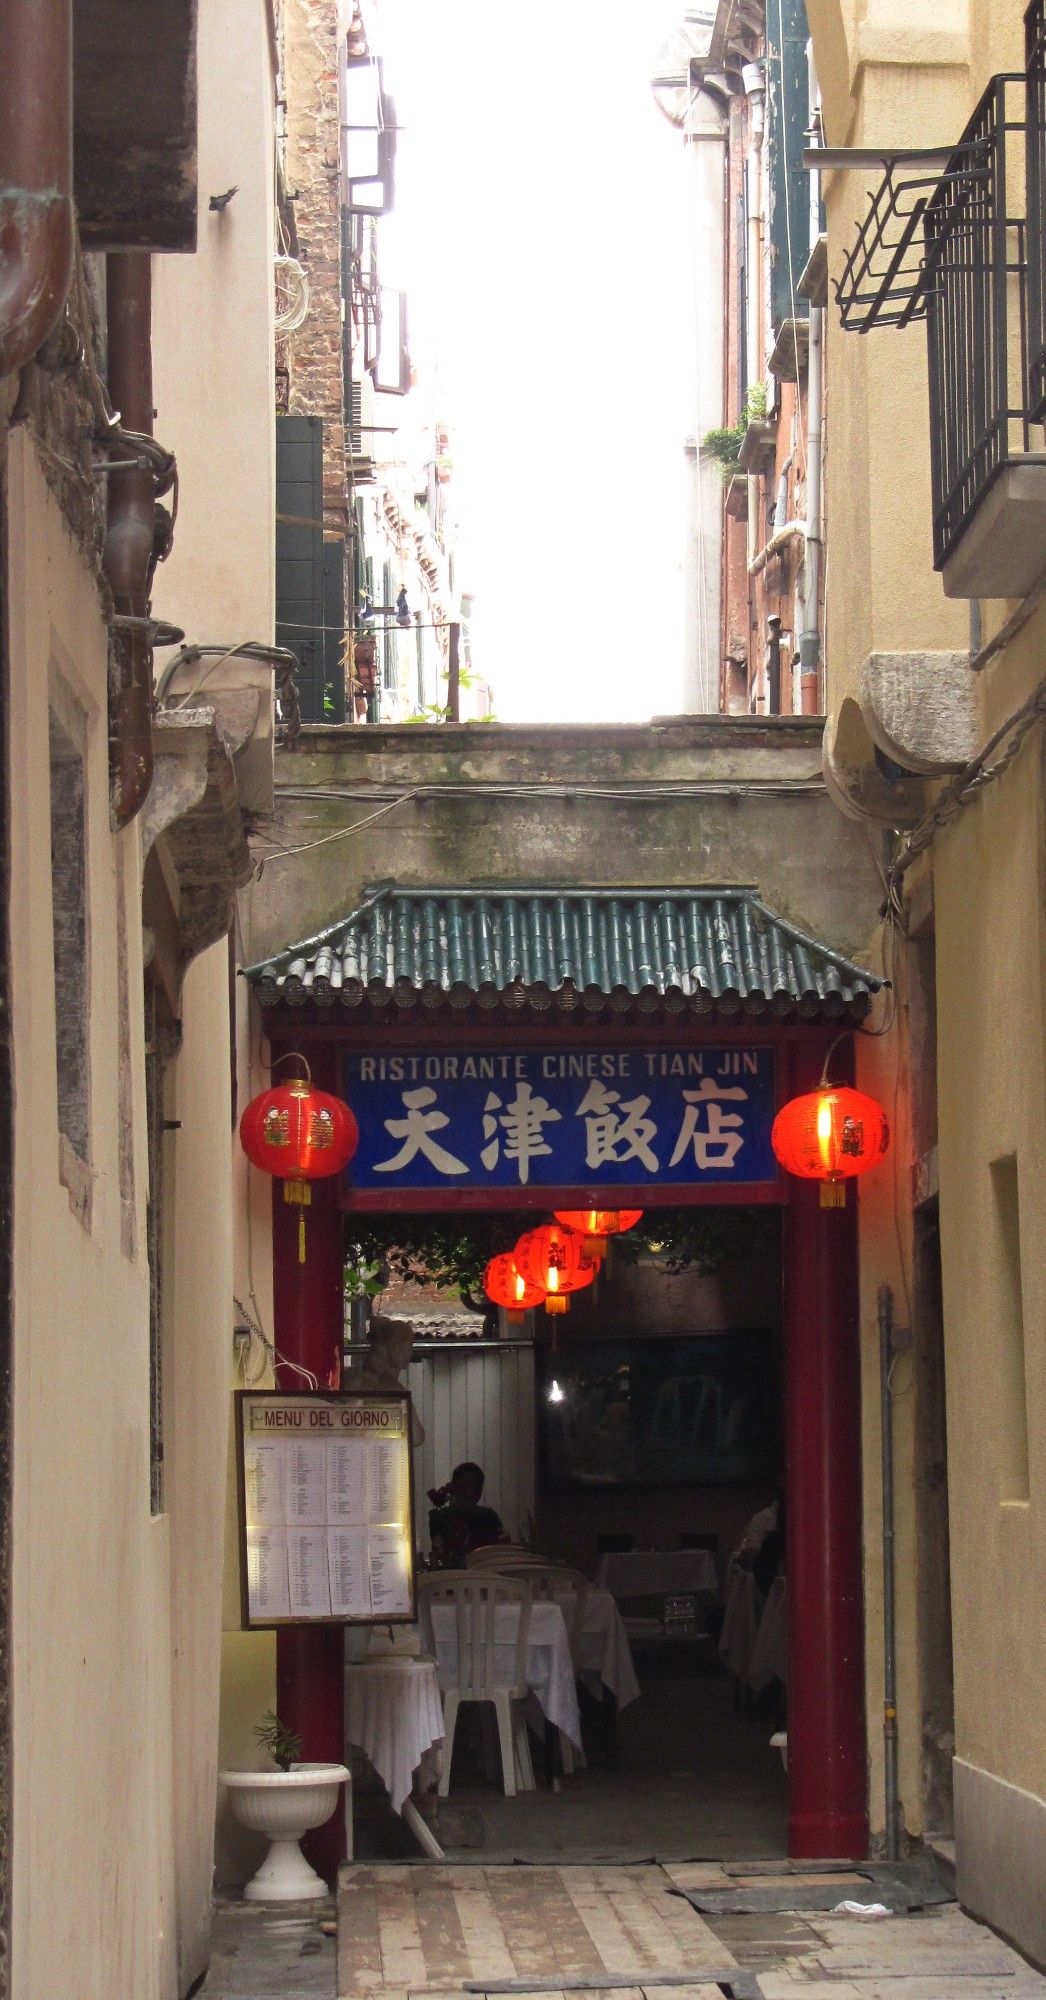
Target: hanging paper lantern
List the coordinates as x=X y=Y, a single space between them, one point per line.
x=830 y=1134
x=596 y=1224
x=506 y=1286
x=298 y=1134
x=558 y=1260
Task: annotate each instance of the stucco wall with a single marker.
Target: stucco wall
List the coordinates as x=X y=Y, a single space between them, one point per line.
x=116 y=1611
x=681 y=802
x=213 y=371
x=898 y=76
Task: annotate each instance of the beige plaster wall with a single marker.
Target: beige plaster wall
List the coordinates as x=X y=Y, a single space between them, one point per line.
x=897 y=74
x=215 y=398
x=213 y=348
x=91 y=1695
x=198 y=1330
x=991 y=879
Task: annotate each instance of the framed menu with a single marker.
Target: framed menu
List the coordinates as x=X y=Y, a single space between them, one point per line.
x=326 y=1508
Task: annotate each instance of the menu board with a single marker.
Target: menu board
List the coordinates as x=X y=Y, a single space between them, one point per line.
x=326 y=1508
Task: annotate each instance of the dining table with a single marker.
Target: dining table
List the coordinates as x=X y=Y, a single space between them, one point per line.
x=769 y=1660
x=601 y=1652
x=394 y=1714
x=549 y=1664
x=657 y=1572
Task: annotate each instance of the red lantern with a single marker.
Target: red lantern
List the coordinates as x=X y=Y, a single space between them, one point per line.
x=831 y=1134
x=509 y=1288
x=298 y=1134
x=557 y=1260
x=596 y=1224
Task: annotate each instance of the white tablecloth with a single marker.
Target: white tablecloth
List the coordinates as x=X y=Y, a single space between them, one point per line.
x=769 y=1659
x=740 y=1622
x=602 y=1652
x=394 y=1713
x=655 y=1572
x=550 y=1669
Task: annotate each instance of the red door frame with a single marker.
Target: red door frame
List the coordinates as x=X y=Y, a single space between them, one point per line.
x=827 y=1748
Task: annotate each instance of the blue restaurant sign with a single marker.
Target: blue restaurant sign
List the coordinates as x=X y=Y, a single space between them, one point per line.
x=554 y=1118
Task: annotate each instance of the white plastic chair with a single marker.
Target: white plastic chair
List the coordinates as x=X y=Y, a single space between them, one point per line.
x=476 y=1597
x=569 y=1589
x=504 y=1556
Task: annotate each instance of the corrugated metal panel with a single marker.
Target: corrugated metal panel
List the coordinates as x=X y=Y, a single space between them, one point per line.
x=701 y=951
x=476 y=1403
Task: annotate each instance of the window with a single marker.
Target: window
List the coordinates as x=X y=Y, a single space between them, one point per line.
x=1009 y=1332
x=67 y=734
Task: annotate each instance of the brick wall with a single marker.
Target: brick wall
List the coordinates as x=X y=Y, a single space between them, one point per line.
x=313 y=355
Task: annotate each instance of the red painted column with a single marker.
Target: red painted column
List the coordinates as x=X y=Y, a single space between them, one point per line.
x=827 y=1745
x=307 y=1318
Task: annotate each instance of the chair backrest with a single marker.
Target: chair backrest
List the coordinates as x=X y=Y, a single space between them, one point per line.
x=475 y=1598
x=564 y=1586
x=503 y=1555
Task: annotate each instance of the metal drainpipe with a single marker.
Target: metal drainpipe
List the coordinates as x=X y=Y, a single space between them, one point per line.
x=128 y=553
x=885 y=1303
x=810 y=636
x=36 y=173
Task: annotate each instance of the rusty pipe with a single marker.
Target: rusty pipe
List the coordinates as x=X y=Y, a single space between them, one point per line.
x=36 y=173
x=128 y=554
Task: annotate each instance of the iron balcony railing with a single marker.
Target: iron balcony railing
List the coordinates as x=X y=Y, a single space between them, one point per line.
x=962 y=247
x=1035 y=144
x=976 y=289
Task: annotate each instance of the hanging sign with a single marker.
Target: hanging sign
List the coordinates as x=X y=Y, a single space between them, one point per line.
x=560 y=1118
x=326 y=1508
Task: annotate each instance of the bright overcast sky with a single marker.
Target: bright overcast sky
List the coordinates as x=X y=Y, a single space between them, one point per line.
x=542 y=231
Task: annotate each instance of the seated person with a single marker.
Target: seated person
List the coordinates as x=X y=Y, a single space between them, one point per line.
x=457 y=1522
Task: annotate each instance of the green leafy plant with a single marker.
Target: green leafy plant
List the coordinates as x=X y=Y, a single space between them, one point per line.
x=451 y=1252
x=365 y=1277
x=282 y=1744
x=725 y=444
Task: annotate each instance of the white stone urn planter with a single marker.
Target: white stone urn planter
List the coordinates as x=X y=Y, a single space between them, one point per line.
x=283 y=1805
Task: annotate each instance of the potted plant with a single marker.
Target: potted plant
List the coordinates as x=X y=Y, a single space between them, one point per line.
x=283 y=1802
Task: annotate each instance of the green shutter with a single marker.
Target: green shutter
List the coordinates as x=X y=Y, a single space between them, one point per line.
x=787 y=112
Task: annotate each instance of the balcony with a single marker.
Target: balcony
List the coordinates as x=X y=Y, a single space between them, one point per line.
x=961 y=247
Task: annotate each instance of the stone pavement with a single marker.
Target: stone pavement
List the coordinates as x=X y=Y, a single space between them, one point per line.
x=461 y=1932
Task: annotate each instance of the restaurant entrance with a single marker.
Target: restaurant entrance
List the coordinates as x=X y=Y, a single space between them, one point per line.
x=531 y=1051
x=815 y=1278
x=634 y=1447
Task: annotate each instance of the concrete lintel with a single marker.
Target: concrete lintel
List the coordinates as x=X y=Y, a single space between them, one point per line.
x=194 y=808
x=239 y=689
x=920 y=709
x=857 y=780
x=181 y=744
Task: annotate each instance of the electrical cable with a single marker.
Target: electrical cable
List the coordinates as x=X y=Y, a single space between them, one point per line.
x=977 y=775
x=340 y=833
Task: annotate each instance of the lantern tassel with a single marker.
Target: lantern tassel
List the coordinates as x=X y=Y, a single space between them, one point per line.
x=299 y=1193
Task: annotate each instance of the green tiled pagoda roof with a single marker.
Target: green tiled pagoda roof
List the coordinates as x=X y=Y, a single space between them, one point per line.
x=697 y=951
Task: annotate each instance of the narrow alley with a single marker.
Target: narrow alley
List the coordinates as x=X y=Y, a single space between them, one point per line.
x=760 y=1932
x=522 y=1000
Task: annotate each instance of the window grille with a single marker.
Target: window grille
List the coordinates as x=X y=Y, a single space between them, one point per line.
x=1035 y=144
x=960 y=246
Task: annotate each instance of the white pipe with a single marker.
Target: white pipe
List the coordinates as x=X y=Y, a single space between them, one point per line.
x=809 y=637
x=754 y=201
x=779 y=540
x=813 y=98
